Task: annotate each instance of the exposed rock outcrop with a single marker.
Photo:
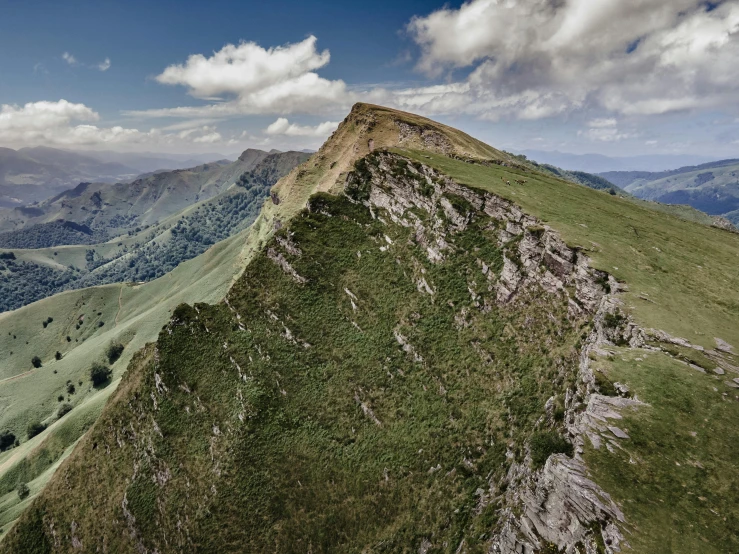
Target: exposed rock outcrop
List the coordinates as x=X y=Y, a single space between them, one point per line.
x=558 y=504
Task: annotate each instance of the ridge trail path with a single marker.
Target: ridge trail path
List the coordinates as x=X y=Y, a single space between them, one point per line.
x=120 y=305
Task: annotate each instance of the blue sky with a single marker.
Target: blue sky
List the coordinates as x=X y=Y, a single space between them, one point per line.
x=648 y=77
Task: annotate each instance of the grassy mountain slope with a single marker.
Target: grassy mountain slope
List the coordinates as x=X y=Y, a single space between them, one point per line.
x=131 y=315
x=412 y=366
x=658 y=255
x=599 y=182
x=366 y=127
x=402 y=443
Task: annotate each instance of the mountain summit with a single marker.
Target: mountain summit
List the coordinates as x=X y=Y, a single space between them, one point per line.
x=432 y=347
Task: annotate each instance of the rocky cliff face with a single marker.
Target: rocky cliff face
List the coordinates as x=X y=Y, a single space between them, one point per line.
x=402 y=368
x=557 y=505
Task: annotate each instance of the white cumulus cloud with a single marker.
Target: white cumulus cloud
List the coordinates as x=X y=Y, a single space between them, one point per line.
x=69 y=58
x=540 y=58
x=255 y=80
x=64 y=123
x=283 y=127
x=605 y=130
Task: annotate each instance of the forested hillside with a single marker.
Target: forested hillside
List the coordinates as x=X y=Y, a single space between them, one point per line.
x=42 y=263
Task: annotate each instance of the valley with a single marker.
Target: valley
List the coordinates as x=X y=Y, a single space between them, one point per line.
x=712 y=188
x=139 y=232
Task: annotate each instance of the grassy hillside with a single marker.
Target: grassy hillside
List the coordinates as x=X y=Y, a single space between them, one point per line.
x=338 y=412
x=366 y=388
x=131 y=315
x=684 y=268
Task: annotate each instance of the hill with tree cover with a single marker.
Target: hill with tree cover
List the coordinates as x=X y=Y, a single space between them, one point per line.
x=51 y=262
x=113 y=209
x=420 y=356
x=712 y=188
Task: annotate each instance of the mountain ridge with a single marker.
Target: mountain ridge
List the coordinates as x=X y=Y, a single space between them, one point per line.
x=120 y=207
x=420 y=354
x=61 y=254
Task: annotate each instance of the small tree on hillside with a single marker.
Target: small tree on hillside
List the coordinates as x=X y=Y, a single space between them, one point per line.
x=34 y=428
x=7 y=439
x=99 y=374
x=23 y=491
x=36 y=361
x=64 y=409
x=114 y=352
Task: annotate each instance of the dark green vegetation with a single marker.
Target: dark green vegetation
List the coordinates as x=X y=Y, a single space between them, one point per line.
x=64 y=409
x=190 y=236
x=24 y=282
x=545 y=444
x=34 y=428
x=114 y=352
x=23 y=491
x=153 y=251
x=270 y=169
x=712 y=188
x=56 y=233
x=353 y=409
x=100 y=374
x=7 y=439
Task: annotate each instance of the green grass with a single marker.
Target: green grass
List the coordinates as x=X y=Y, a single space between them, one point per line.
x=28 y=394
x=676 y=478
x=686 y=270
x=309 y=466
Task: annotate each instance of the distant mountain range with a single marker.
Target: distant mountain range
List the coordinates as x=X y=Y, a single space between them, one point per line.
x=34 y=174
x=158 y=221
x=117 y=208
x=711 y=187
x=598 y=163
